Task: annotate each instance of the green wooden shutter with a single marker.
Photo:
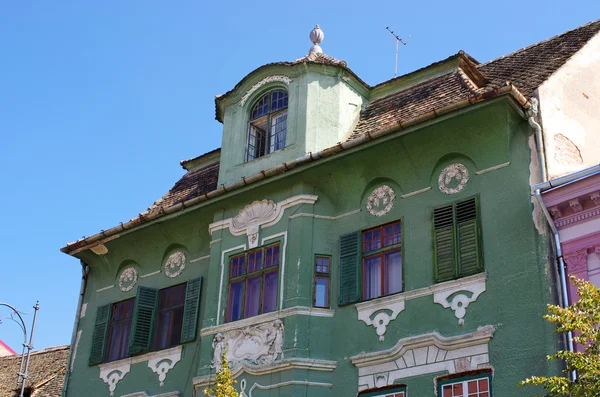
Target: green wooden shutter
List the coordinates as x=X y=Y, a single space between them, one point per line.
x=99 y=336
x=143 y=320
x=349 y=268
x=443 y=243
x=190 y=311
x=467 y=228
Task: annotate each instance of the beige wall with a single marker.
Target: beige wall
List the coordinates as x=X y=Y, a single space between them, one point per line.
x=570 y=108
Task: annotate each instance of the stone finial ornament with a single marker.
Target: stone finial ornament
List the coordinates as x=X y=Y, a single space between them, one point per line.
x=316 y=36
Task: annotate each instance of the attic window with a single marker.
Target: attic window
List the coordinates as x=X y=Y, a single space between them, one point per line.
x=268 y=125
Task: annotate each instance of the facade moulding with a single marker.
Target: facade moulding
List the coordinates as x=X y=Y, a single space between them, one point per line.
x=266 y=80
x=407 y=195
x=515 y=98
x=578 y=217
x=277 y=366
x=200 y=259
x=105 y=288
x=331 y=218
x=278 y=385
x=493 y=168
x=381 y=311
x=588 y=241
x=424 y=354
x=267 y=317
x=259 y=214
x=159 y=362
x=150 y=274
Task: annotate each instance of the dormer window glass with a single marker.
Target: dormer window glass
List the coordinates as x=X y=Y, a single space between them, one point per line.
x=268 y=125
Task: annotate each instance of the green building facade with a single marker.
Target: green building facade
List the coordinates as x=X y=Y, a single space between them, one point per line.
x=345 y=239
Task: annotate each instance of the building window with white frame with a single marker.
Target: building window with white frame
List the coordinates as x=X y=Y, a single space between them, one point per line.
x=387 y=391
x=464 y=385
x=267 y=125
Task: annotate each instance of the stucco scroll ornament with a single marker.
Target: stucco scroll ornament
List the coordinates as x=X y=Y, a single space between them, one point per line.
x=381 y=201
x=459 y=298
x=175 y=264
x=266 y=80
x=380 y=312
x=128 y=279
x=454 y=172
x=252 y=216
x=163 y=362
x=254 y=345
x=111 y=374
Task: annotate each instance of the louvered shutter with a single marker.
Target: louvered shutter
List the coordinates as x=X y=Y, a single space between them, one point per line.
x=190 y=311
x=349 y=268
x=143 y=320
x=468 y=238
x=443 y=243
x=99 y=336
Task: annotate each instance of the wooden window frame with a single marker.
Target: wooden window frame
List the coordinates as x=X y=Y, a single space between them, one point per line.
x=245 y=276
x=267 y=120
x=381 y=252
x=465 y=378
x=319 y=275
x=386 y=391
x=112 y=322
x=172 y=326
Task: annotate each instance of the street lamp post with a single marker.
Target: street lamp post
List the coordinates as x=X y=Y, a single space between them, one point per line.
x=24 y=367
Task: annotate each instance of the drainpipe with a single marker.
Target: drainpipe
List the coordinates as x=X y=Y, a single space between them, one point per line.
x=85 y=270
x=532 y=113
x=561 y=268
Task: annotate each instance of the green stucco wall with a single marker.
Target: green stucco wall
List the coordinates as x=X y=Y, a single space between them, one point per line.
x=519 y=282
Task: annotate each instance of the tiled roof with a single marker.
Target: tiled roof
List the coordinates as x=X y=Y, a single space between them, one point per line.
x=529 y=67
x=526 y=68
x=45 y=375
x=192 y=184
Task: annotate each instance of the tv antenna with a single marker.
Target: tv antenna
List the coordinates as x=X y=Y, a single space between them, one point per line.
x=398 y=40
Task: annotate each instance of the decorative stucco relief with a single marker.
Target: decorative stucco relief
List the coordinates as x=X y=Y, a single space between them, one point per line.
x=243 y=386
x=164 y=361
x=379 y=312
x=577 y=261
x=266 y=80
x=263 y=213
x=424 y=354
x=381 y=200
x=159 y=362
x=257 y=345
x=454 y=172
x=128 y=279
x=458 y=297
x=175 y=264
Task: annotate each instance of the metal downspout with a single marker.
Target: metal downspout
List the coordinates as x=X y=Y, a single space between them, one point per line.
x=561 y=268
x=85 y=269
x=532 y=113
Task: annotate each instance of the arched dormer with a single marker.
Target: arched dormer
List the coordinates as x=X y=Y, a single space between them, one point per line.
x=324 y=100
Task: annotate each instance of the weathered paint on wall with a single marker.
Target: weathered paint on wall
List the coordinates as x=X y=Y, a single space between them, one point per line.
x=491 y=140
x=569 y=101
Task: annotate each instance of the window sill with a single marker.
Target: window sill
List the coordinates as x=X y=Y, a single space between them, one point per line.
x=263 y=318
x=160 y=362
x=441 y=292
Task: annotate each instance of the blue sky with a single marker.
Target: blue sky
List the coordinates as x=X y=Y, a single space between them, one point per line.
x=100 y=101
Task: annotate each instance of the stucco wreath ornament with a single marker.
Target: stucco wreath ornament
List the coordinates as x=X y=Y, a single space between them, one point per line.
x=175 y=264
x=383 y=196
x=454 y=172
x=128 y=278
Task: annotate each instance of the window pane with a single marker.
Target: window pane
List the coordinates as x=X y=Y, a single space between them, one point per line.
x=447 y=391
x=254 y=261
x=393 y=272
x=483 y=385
x=278 y=131
x=372 y=277
x=237 y=266
x=321 y=292
x=269 y=303
x=252 y=296
x=169 y=319
x=322 y=265
x=391 y=234
x=472 y=386
x=119 y=329
x=234 y=303
x=376 y=244
x=457 y=389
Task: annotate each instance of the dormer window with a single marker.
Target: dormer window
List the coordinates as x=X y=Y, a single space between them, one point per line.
x=267 y=124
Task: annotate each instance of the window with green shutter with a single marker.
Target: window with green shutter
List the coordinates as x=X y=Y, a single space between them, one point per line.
x=456 y=240
x=349 y=264
x=99 y=335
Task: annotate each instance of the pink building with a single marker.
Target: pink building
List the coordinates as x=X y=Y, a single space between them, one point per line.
x=5 y=350
x=572 y=203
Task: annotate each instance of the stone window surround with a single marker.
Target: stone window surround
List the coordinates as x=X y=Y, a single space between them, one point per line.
x=424 y=354
x=381 y=311
x=160 y=362
x=575 y=254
